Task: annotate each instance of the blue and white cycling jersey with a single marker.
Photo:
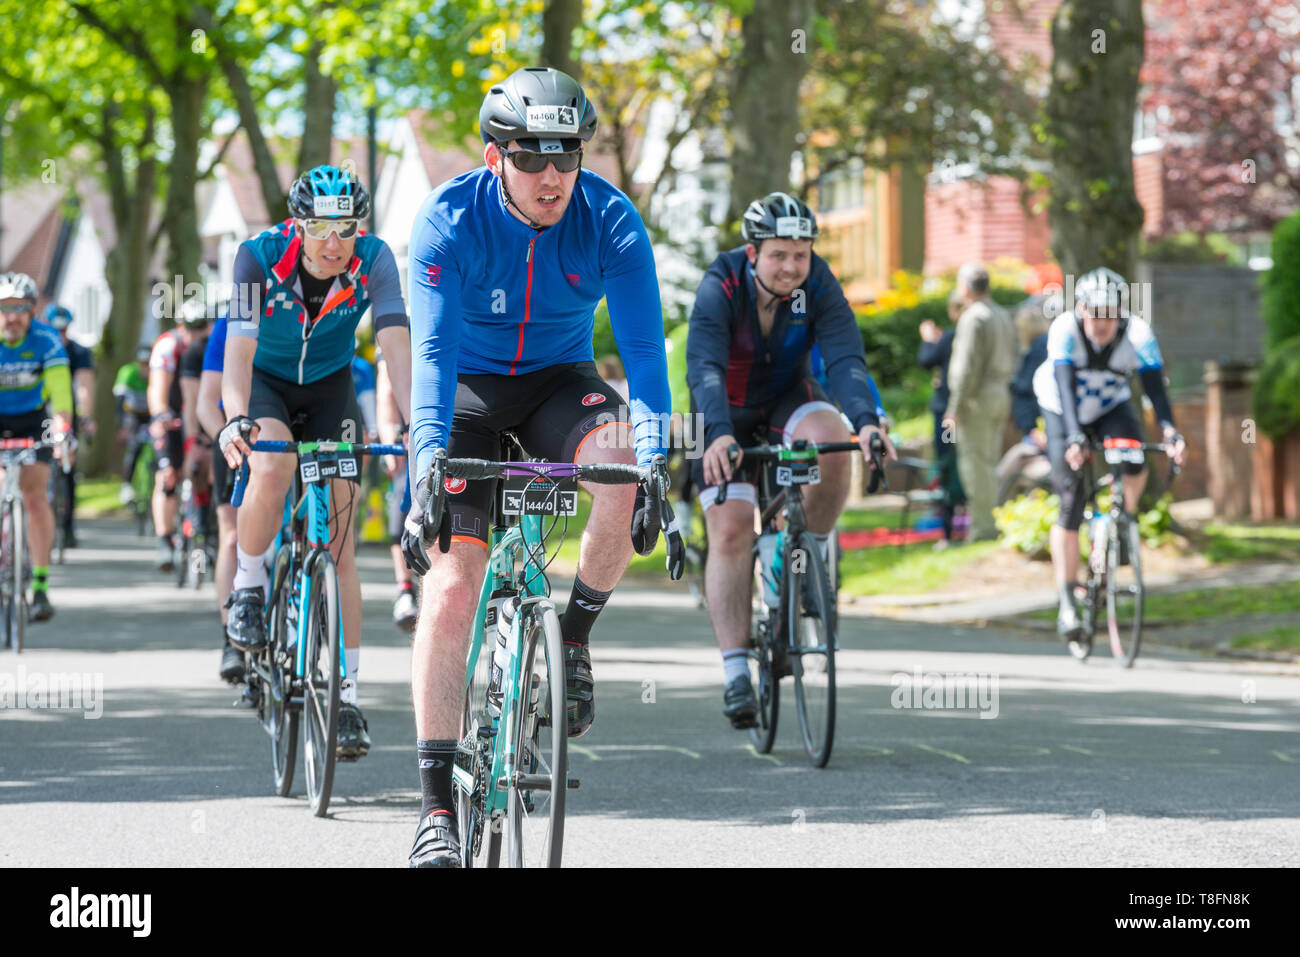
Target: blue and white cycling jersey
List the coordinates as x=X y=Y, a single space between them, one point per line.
x=1097 y=391
x=491 y=295
x=23 y=366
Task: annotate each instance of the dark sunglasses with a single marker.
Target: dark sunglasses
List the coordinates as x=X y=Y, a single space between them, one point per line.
x=526 y=161
x=14 y=307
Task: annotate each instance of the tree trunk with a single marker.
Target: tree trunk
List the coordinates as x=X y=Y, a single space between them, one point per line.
x=765 y=98
x=1097 y=53
x=559 y=18
x=268 y=178
x=318 y=112
x=127 y=273
x=184 y=251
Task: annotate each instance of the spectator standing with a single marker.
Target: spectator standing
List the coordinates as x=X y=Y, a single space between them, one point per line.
x=935 y=353
x=1029 y=453
x=983 y=360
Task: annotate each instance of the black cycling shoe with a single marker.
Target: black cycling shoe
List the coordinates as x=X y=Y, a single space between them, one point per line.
x=245 y=626
x=579 y=689
x=436 y=843
x=232 y=665
x=739 y=704
x=354 y=742
x=166 y=559
x=42 y=610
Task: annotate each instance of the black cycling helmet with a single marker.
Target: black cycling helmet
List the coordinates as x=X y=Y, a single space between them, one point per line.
x=328 y=192
x=778 y=216
x=545 y=110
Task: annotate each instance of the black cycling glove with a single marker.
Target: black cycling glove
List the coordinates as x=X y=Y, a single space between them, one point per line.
x=416 y=536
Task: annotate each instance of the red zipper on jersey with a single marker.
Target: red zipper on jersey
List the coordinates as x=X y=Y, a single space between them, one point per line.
x=528 y=300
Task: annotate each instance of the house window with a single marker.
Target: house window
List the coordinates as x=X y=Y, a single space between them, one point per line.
x=841 y=188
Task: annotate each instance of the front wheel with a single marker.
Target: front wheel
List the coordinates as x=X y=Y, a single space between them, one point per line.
x=479 y=828
x=810 y=623
x=540 y=742
x=17 y=604
x=322 y=675
x=281 y=718
x=1124 y=589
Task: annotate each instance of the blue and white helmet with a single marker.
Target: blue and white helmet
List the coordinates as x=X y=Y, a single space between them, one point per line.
x=1101 y=289
x=328 y=192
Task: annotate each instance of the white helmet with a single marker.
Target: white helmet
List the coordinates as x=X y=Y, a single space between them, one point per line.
x=17 y=285
x=1102 y=289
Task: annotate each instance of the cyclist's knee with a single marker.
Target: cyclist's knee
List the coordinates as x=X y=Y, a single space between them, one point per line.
x=731 y=528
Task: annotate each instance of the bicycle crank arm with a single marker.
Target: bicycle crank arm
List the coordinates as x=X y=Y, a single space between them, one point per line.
x=526 y=782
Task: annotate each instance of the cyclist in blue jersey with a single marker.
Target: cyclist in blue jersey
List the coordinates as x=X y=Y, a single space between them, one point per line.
x=301 y=287
x=213 y=419
x=758 y=312
x=82 y=364
x=33 y=371
x=507 y=265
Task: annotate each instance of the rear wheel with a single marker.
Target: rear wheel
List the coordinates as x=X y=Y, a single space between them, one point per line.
x=1124 y=589
x=811 y=634
x=767 y=688
x=322 y=674
x=540 y=739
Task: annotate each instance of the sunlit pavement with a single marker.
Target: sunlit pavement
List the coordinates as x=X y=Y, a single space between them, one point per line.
x=1183 y=760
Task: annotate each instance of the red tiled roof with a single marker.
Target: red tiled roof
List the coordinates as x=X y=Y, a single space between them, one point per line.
x=36 y=255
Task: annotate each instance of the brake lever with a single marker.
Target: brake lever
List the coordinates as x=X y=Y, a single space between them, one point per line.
x=733 y=453
x=877 y=480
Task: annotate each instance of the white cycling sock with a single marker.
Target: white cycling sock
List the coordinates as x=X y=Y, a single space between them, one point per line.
x=735 y=663
x=249 y=570
x=348 y=686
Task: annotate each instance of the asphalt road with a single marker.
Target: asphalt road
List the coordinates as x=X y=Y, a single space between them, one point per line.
x=1182 y=761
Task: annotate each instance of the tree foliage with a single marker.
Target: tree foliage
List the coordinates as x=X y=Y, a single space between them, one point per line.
x=1223 y=83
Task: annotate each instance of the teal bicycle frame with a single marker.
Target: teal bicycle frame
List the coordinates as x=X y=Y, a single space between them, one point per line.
x=507 y=545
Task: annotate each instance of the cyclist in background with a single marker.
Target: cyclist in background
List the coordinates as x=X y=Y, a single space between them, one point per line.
x=33 y=365
x=393 y=431
x=197 y=443
x=213 y=419
x=166 y=407
x=131 y=389
x=82 y=364
x=1083 y=392
x=758 y=312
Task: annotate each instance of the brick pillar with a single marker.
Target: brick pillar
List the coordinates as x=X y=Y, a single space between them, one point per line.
x=1266 y=490
x=1288 y=455
x=1229 y=459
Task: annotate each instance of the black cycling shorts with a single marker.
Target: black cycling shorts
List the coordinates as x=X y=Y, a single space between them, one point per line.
x=1119 y=423
x=329 y=405
x=761 y=424
x=551 y=412
x=170 y=449
x=29 y=425
x=223 y=480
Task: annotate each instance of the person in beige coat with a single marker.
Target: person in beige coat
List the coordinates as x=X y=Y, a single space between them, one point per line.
x=984 y=353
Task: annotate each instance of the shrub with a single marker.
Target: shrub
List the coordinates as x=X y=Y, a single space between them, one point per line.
x=1025 y=523
x=1280 y=302
x=1277 y=390
x=1188 y=248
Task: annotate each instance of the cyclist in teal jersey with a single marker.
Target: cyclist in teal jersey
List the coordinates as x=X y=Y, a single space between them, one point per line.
x=301 y=287
x=35 y=403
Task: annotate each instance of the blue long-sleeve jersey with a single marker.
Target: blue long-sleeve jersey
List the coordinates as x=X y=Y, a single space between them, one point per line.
x=491 y=295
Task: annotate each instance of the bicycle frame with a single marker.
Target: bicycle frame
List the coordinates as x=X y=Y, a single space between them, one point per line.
x=534 y=589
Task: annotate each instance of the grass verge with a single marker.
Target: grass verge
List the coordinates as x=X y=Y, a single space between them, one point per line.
x=909 y=569
x=1282 y=638
x=1230 y=542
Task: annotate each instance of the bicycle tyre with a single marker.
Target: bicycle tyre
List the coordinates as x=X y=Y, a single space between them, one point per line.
x=17 y=610
x=474 y=755
x=767 y=688
x=541 y=744
x=1124 y=591
x=810 y=632
x=142 y=480
x=320 y=683
x=281 y=717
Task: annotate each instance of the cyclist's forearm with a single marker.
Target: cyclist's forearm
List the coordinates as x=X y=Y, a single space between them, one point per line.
x=1153 y=381
x=208 y=406
x=237 y=374
x=1065 y=384
x=58 y=388
x=84 y=381
x=395 y=341
x=388 y=417
x=189 y=401
x=160 y=385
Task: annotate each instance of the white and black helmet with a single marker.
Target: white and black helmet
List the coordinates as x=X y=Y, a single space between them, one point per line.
x=546 y=110
x=18 y=285
x=778 y=216
x=1102 y=289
